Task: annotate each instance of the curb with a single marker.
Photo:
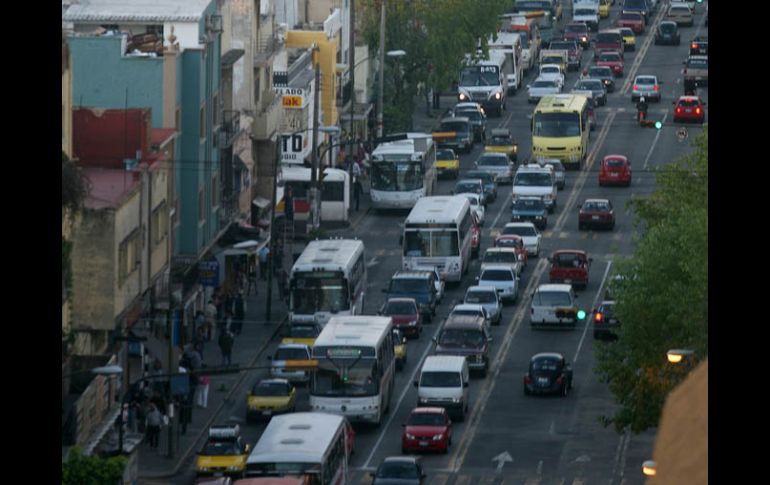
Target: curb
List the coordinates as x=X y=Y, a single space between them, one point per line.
x=226 y=400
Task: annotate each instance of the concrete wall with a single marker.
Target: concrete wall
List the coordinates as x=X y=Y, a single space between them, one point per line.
x=159 y=195
x=128 y=218
x=66 y=101
x=102 y=76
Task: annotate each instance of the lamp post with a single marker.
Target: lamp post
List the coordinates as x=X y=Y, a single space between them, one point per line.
x=676 y=356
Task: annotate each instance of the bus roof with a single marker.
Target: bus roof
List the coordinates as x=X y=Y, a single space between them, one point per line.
x=329 y=255
x=439 y=209
x=294 y=173
x=296 y=438
x=357 y=330
x=560 y=103
x=504 y=39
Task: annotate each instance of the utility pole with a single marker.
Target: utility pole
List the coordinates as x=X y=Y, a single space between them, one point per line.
x=351 y=133
x=271 y=246
x=314 y=196
x=382 y=69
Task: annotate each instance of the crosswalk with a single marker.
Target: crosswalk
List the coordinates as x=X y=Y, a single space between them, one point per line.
x=444 y=477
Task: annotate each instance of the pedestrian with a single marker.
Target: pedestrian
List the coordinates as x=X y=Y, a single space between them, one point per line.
x=278 y=263
x=152 y=426
x=202 y=391
x=211 y=318
x=239 y=312
x=185 y=412
x=226 y=346
x=288 y=208
x=263 y=253
x=252 y=277
x=357 y=189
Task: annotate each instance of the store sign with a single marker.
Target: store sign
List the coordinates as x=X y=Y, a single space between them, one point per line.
x=292 y=102
x=209 y=272
x=292 y=98
x=294 y=147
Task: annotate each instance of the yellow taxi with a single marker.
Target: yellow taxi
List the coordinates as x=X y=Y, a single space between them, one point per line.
x=604 y=9
x=224 y=453
x=629 y=39
x=501 y=141
x=301 y=333
x=270 y=396
x=399 y=348
x=447 y=163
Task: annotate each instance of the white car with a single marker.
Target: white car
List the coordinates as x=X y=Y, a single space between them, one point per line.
x=542 y=87
x=473 y=309
x=551 y=71
x=487 y=297
x=554 y=305
x=528 y=233
x=477 y=206
x=503 y=279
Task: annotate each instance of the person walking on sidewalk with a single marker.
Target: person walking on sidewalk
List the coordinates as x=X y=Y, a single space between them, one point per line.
x=263 y=254
x=211 y=319
x=239 y=310
x=252 y=278
x=152 y=426
x=226 y=341
x=202 y=391
x=357 y=185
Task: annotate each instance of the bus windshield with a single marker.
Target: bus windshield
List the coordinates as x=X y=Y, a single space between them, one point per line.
x=393 y=176
x=318 y=292
x=556 y=124
x=340 y=377
x=479 y=76
x=431 y=243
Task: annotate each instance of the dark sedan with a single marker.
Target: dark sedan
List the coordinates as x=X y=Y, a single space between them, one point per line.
x=667 y=33
x=530 y=209
x=605 y=320
x=604 y=73
x=596 y=213
x=548 y=373
x=596 y=86
x=399 y=470
x=490 y=186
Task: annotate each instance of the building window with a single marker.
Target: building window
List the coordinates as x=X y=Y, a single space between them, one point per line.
x=202 y=121
x=257 y=87
x=214 y=192
x=215 y=109
x=159 y=223
x=128 y=255
x=201 y=205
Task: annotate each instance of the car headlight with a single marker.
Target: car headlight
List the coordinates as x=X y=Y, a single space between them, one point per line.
x=203 y=468
x=438 y=437
x=463 y=97
x=233 y=468
x=538 y=217
x=410 y=436
x=456 y=399
x=423 y=400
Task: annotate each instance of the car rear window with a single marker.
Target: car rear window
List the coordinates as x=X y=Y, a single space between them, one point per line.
x=609 y=56
x=679 y=10
x=494 y=161
x=499 y=257
x=290 y=354
x=520 y=231
x=576 y=28
x=645 y=80
x=630 y=16
x=545 y=365
x=497 y=275
x=698 y=63
x=410 y=285
x=445 y=155
x=440 y=379
x=608 y=38
x=551 y=298
x=612 y=162
x=478 y=297
x=688 y=103
x=426 y=419
x=400 y=308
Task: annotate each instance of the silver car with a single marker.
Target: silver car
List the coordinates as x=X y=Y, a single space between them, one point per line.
x=680 y=13
x=696 y=68
x=558 y=170
x=646 y=86
x=542 y=87
x=487 y=297
x=280 y=366
x=474 y=310
x=596 y=86
x=502 y=279
x=498 y=164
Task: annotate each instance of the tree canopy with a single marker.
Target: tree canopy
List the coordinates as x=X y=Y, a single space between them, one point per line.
x=662 y=295
x=80 y=469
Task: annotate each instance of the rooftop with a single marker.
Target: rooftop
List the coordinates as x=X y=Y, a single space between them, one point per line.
x=135 y=11
x=109 y=186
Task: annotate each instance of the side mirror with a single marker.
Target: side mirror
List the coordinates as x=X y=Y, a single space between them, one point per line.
x=476 y=278
x=465 y=384
x=416 y=384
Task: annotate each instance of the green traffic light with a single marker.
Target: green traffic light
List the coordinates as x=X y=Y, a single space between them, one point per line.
x=581 y=315
x=658 y=125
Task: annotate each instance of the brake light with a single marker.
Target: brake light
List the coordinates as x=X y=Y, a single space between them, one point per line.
x=655 y=88
x=598 y=317
x=527 y=379
x=636 y=88
x=559 y=379
x=678 y=109
x=694 y=46
x=697 y=110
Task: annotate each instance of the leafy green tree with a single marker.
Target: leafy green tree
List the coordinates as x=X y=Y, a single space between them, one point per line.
x=91 y=470
x=74 y=186
x=662 y=295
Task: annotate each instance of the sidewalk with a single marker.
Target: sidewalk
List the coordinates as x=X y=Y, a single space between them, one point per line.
x=422 y=123
x=256 y=334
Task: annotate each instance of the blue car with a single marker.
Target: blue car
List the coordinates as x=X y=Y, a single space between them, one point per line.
x=419 y=285
x=530 y=209
x=488 y=180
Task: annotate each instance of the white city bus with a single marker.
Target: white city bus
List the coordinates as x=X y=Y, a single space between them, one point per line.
x=437 y=232
x=335 y=193
x=328 y=278
x=403 y=171
x=309 y=445
x=355 y=376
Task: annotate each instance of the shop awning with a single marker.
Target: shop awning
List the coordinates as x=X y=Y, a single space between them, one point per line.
x=260 y=202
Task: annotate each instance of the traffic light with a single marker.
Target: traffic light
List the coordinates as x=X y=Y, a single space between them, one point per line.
x=658 y=125
x=699 y=1
x=581 y=315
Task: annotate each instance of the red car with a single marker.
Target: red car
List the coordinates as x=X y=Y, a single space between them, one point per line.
x=578 y=31
x=596 y=213
x=405 y=314
x=632 y=20
x=427 y=429
x=570 y=266
x=475 y=236
x=613 y=60
x=689 y=108
x=615 y=170
x=512 y=241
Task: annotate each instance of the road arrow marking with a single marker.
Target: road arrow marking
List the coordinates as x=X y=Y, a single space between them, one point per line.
x=501 y=459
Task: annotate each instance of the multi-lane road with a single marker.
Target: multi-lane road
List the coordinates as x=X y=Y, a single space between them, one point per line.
x=535 y=439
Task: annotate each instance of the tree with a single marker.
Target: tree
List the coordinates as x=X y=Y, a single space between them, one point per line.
x=74 y=186
x=80 y=469
x=662 y=295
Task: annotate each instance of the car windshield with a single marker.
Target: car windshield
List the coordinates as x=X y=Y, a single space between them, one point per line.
x=688 y=103
x=270 y=389
x=397 y=470
x=600 y=72
x=287 y=353
x=546 y=365
x=609 y=57
x=440 y=379
x=445 y=155
x=668 y=28
x=461 y=337
x=550 y=70
x=467 y=187
x=501 y=140
x=302 y=331
x=520 y=231
x=645 y=80
x=508 y=243
x=496 y=275
x=593 y=85
x=529 y=204
x=401 y=307
x=608 y=38
x=556 y=124
x=433 y=243
x=472 y=115
x=468 y=312
x=479 y=297
x=570 y=46
x=426 y=419
x=557 y=166
x=544 y=83
x=584 y=11
x=222 y=448
x=500 y=257
x=630 y=16
x=479 y=76
x=698 y=63
x=493 y=161
x=578 y=28
x=486 y=177
x=552 y=298
x=533 y=179
x=457 y=126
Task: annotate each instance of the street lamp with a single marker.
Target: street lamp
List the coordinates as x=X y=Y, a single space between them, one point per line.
x=649 y=468
x=676 y=356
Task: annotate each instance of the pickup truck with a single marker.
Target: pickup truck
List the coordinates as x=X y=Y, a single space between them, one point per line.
x=574 y=50
x=699 y=46
x=696 y=69
x=555 y=56
x=588 y=13
x=570 y=266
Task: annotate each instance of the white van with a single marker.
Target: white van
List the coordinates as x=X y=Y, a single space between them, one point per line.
x=443 y=382
x=536 y=181
x=553 y=305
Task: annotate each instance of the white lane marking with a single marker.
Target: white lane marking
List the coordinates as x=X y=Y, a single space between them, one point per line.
x=654 y=142
x=587 y=319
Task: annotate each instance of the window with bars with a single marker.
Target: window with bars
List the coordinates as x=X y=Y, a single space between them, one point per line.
x=159 y=223
x=128 y=255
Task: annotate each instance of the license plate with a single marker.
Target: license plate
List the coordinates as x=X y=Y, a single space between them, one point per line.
x=423 y=443
x=595 y=218
x=267 y=412
x=219 y=474
x=568 y=281
x=614 y=174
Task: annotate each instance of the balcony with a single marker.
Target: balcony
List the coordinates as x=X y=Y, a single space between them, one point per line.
x=231 y=126
x=268 y=120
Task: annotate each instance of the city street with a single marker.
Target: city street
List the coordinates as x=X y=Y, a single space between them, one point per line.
x=509 y=437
